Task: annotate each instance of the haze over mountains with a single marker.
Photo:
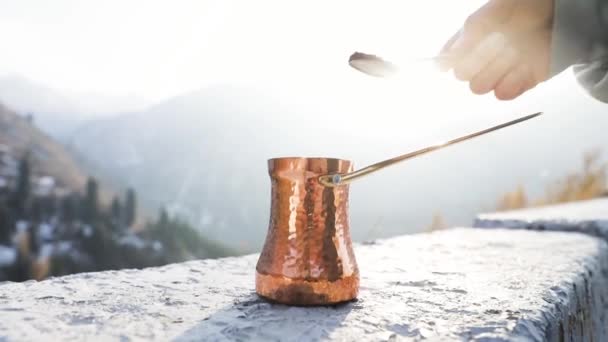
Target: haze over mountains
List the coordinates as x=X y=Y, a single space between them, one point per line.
x=59 y=113
x=204 y=154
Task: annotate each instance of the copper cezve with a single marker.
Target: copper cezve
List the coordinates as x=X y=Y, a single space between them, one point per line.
x=308 y=258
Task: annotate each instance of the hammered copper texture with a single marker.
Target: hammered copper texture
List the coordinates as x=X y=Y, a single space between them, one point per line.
x=308 y=257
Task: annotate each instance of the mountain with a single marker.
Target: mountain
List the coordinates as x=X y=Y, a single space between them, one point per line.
x=57 y=113
x=51 y=111
x=204 y=155
x=48 y=157
x=198 y=154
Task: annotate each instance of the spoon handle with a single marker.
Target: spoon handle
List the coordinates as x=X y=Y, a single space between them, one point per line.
x=436 y=58
x=376 y=66
x=333 y=180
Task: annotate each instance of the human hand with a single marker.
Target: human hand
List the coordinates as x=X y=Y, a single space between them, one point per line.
x=504 y=46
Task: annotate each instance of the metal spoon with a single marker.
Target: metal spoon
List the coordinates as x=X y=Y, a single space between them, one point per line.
x=334 y=180
x=378 y=67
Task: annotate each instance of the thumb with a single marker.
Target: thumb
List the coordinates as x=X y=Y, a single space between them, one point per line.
x=445 y=64
x=486 y=19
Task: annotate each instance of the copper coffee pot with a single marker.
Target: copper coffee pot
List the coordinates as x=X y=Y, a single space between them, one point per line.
x=308 y=258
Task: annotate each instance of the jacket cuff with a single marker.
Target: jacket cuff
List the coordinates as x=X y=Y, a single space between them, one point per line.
x=577 y=26
x=594 y=78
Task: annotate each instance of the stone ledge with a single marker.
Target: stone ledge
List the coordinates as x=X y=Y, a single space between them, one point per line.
x=589 y=217
x=457 y=284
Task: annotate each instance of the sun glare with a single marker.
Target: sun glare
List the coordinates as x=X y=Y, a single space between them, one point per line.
x=201 y=43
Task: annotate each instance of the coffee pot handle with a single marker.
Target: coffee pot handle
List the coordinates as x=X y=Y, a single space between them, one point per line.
x=337 y=179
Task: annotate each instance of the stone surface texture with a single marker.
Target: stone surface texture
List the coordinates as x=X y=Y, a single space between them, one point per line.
x=453 y=285
x=589 y=217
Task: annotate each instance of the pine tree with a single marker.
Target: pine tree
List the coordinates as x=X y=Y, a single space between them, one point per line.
x=6 y=223
x=68 y=208
x=163 y=218
x=130 y=207
x=49 y=206
x=91 y=211
x=29 y=117
x=115 y=209
x=78 y=206
x=116 y=218
x=23 y=186
x=36 y=212
x=33 y=236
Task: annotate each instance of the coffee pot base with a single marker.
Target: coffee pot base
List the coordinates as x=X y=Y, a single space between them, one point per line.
x=298 y=292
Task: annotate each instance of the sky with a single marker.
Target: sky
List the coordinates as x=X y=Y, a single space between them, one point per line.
x=154 y=50
x=158 y=49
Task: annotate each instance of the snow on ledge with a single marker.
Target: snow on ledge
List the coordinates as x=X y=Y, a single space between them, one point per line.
x=589 y=217
x=495 y=285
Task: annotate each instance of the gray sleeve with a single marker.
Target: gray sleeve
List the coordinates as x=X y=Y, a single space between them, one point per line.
x=580 y=40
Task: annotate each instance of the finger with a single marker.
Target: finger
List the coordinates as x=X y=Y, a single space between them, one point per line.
x=486 y=80
x=489 y=18
x=448 y=45
x=484 y=53
x=446 y=64
x=515 y=83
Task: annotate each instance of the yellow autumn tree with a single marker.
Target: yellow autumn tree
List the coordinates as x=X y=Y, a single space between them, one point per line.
x=513 y=200
x=589 y=182
x=438 y=223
